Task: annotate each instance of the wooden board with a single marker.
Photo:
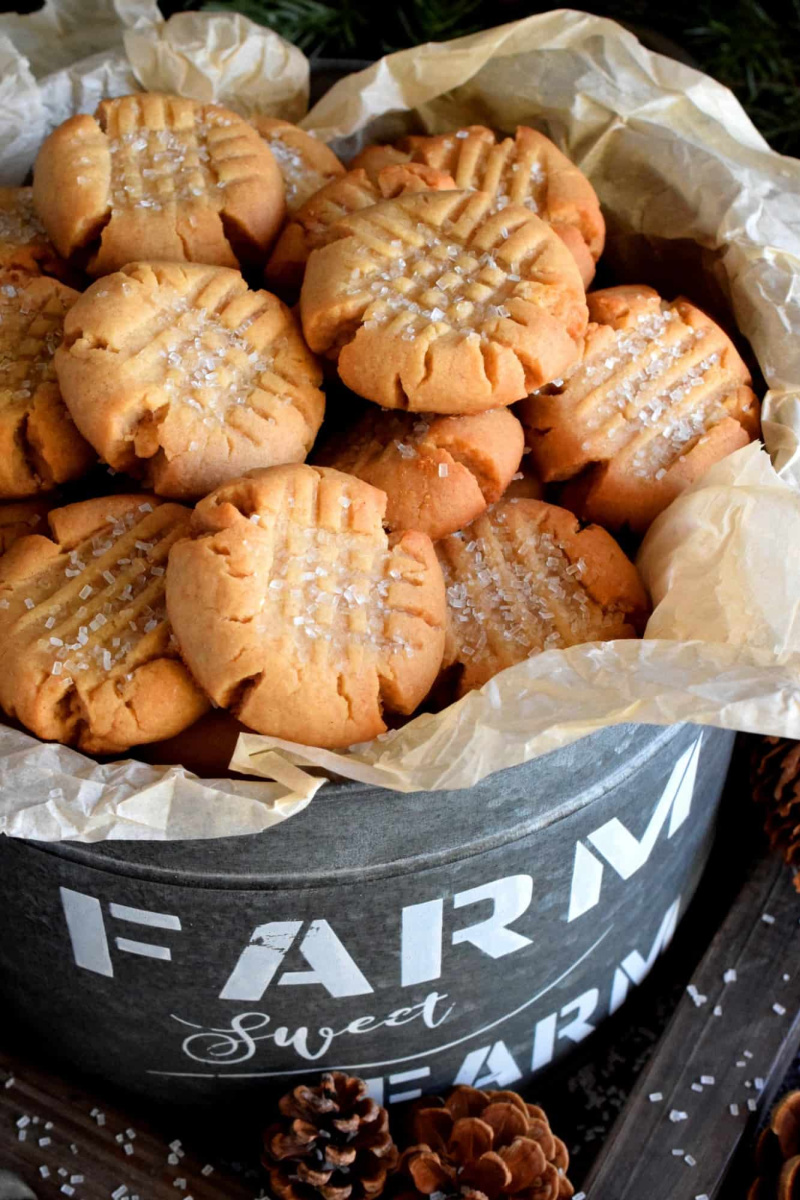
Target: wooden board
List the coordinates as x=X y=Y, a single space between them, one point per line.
x=86 y=1152
x=741 y=1033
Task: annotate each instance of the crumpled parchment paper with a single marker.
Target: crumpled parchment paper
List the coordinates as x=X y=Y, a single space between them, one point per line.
x=65 y=58
x=695 y=202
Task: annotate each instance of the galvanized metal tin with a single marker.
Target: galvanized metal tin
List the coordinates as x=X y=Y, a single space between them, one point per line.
x=417 y=940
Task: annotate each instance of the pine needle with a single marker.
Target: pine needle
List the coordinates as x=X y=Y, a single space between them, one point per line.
x=310 y=24
x=752 y=50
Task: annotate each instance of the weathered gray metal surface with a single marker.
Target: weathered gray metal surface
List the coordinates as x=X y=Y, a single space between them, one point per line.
x=417 y=940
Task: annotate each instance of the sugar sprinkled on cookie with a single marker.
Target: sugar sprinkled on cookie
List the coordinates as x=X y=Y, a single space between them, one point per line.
x=158 y=175
x=86 y=654
x=660 y=394
x=527 y=169
x=294 y=609
x=306 y=163
x=431 y=303
x=313 y=224
x=180 y=374
x=524 y=578
x=23 y=242
x=438 y=472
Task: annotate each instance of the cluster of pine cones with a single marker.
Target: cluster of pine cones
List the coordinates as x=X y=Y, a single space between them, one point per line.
x=333 y=1141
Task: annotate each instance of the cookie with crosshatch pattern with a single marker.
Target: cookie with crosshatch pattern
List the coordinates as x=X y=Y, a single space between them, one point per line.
x=86 y=655
x=306 y=163
x=314 y=223
x=523 y=578
x=39 y=444
x=160 y=176
x=180 y=374
x=431 y=302
x=438 y=472
x=297 y=612
x=660 y=394
x=527 y=169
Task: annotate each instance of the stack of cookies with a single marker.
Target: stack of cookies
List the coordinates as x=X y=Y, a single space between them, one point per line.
x=180 y=524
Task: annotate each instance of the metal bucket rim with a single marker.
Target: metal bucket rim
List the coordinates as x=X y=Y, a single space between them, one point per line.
x=171 y=876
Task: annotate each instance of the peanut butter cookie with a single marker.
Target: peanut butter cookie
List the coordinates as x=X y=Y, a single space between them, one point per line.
x=295 y=611
x=313 y=224
x=160 y=176
x=180 y=374
x=432 y=303
x=306 y=164
x=39 y=444
x=660 y=394
x=524 y=578
x=86 y=656
x=525 y=484
x=527 y=169
x=438 y=472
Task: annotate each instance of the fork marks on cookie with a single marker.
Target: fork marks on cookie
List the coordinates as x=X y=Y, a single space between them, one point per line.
x=165 y=152
x=98 y=609
x=331 y=577
x=450 y=268
x=512 y=593
x=653 y=383
x=522 y=579
x=31 y=328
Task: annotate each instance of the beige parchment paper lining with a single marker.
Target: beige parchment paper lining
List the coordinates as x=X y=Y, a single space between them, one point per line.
x=695 y=202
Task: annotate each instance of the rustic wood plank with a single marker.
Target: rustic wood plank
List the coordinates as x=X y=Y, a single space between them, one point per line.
x=742 y=1033
x=63 y=1136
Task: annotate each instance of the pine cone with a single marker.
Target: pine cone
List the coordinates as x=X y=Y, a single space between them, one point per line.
x=776 y=784
x=333 y=1142
x=483 y=1146
x=778 y=1154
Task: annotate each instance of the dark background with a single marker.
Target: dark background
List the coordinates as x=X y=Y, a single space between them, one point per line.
x=753 y=48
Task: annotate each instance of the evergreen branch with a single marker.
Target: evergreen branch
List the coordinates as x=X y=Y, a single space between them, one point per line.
x=310 y=24
x=753 y=46
x=437 y=20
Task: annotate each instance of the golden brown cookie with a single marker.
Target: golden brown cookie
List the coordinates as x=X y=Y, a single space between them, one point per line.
x=525 y=484
x=438 y=472
x=86 y=655
x=294 y=610
x=23 y=242
x=527 y=169
x=39 y=444
x=433 y=304
x=523 y=578
x=306 y=164
x=21 y=518
x=180 y=374
x=314 y=223
x=162 y=177
x=660 y=395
